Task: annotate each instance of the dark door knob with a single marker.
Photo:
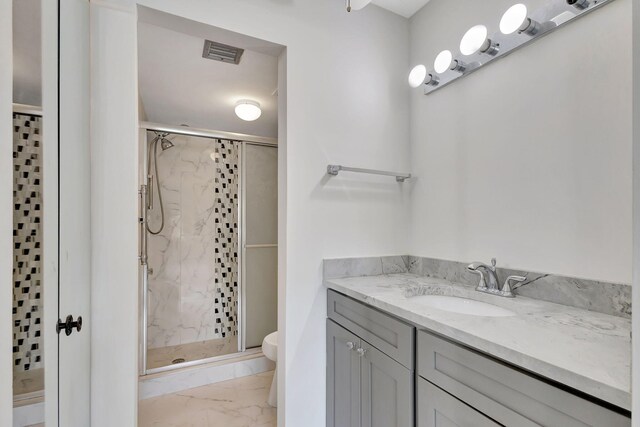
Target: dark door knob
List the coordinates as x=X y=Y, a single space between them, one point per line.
x=68 y=325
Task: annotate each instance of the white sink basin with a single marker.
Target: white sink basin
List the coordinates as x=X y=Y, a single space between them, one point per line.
x=462 y=306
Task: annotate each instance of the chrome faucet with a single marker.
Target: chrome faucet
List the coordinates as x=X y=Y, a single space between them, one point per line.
x=490 y=270
x=491 y=286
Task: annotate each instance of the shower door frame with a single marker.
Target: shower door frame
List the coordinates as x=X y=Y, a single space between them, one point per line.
x=243 y=242
x=242 y=140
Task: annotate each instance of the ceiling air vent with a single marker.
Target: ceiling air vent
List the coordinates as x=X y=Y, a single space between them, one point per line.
x=222 y=52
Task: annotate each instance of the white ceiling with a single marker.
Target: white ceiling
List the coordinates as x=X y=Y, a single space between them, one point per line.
x=406 y=8
x=178 y=86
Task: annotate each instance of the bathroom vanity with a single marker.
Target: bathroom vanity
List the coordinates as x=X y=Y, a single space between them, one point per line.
x=404 y=350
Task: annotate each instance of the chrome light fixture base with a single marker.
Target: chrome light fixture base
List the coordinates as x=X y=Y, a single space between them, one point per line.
x=490 y=48
x=459 y=66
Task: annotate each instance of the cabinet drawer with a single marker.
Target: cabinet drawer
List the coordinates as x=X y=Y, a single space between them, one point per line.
x=505 y=394
x=386 y=333
x=439 y=409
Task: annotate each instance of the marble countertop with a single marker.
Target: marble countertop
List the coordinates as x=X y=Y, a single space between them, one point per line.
x=585 y=350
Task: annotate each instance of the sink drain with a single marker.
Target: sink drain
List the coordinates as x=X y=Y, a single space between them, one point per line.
x=178 y=360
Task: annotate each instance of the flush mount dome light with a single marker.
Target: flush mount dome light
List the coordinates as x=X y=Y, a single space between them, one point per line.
x=476 y=40
x=248 y=110
x=516 y=19
x=417 y=75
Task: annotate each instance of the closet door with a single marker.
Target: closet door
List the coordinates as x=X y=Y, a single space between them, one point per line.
x=343 y=377
x=67 y=237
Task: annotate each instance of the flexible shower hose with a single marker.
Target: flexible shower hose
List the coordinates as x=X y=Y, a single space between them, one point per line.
x=154 y=148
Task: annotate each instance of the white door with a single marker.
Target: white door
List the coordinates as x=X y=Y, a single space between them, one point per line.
x=66 y=109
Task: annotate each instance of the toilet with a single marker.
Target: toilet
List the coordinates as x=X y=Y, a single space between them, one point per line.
x=270 y=350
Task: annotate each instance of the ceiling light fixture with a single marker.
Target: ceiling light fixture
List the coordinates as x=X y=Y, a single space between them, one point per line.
x=516 y=19
x=476 y=40
x=248 y=110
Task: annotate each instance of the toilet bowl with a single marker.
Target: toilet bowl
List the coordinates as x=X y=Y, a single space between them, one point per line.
x=270 y=350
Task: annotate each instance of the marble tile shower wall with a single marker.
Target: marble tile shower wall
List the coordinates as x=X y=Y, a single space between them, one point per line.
x=190 y=297
x=603 y=297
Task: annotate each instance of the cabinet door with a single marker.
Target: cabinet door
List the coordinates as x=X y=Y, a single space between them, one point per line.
x=387 y=390
x=439 y=409
x=343 y=377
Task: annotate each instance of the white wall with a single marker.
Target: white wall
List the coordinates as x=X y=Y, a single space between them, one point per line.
x=528 y=159
x=636 y=211
x=6 y=212
x=114 y=210
x=347 y=102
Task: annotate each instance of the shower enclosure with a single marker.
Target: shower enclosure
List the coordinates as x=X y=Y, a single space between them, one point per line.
x=208 y=252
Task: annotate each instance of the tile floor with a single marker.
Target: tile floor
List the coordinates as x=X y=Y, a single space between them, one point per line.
x=164 y=356
x=26 y=383
x=240 y=402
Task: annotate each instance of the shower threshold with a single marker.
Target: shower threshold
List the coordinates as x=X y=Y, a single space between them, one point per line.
x=211 y=359
x=176 y=354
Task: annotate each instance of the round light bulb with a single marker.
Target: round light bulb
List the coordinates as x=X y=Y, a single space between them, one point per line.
x=513 y=19
x=443 y=61
x=248 y=110
x=417 y=75
x=473 y=40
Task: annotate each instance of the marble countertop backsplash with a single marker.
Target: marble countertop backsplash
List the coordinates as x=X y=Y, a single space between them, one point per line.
x=603 y=297
x=585 y=349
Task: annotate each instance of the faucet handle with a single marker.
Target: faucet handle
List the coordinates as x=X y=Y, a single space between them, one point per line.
x=506 y=289
x=493 y=262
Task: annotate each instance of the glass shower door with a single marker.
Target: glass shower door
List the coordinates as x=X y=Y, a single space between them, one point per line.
x=260 y=256
x=192 y=267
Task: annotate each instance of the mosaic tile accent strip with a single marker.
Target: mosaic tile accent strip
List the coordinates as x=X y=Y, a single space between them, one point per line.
x=27 y=243
x=226 y=209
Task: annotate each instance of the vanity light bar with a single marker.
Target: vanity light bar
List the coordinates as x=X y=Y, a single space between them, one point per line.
x=518 y=27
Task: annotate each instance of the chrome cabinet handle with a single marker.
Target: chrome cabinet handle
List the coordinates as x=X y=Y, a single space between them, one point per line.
x=361 y=352
x=350 y=345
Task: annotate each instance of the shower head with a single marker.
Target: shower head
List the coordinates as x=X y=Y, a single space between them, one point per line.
x=165 y=144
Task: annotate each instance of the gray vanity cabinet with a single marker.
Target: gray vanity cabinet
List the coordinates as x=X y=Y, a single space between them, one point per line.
x=366 y=385
x=386 y=389
x=504 y=393
x=437 y=408
x=371 y=381
x=343 y=377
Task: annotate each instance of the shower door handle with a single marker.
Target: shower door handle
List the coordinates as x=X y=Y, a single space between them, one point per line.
x=68 y=325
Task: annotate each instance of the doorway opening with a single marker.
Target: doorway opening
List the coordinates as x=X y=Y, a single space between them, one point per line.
x=208 y=162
